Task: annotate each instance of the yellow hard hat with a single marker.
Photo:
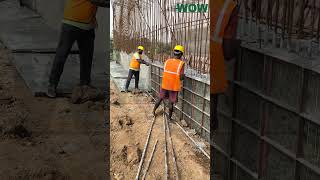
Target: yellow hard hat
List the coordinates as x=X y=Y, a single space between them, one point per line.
x=179 y=48
x=141 y=48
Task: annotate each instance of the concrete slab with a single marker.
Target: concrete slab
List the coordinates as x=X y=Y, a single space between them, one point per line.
x=29 y=34
x=23 y=30
x=11 y=11
x=117 y=70
x=35 y=69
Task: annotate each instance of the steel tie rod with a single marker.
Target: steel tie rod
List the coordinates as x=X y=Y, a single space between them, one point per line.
x=145 y=149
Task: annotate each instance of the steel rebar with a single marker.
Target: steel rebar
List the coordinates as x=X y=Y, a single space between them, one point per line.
x=145 y=149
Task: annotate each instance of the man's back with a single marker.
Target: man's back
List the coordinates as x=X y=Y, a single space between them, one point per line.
x=82 y=11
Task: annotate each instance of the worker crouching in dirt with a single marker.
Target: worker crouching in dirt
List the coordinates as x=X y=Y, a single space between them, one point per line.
x=78 y=24
x=134 y=70
x=172 y=76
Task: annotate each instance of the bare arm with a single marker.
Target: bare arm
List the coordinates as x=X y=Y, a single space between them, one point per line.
x=143 y=62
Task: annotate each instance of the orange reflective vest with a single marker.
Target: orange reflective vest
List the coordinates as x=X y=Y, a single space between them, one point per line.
x=171 y=75
x=82 y=11
x=220 y=11
x=134 y=63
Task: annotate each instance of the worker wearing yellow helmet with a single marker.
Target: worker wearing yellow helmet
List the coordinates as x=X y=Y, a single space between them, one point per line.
x=172 y=76
x=134 y=68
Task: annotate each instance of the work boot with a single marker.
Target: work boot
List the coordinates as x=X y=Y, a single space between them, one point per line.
x=52 y=91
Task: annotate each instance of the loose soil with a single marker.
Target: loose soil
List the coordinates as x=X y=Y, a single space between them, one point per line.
x=136 y=109
x=49 y=139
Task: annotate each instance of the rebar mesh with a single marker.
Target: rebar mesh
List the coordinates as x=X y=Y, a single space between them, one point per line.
x=159 y=27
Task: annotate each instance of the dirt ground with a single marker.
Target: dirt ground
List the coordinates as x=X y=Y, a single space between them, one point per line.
x=130 y=122
x=47 y=139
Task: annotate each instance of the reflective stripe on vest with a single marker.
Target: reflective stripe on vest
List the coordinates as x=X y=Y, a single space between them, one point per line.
x=217 y=31
x=171 y=75
x=221 y=11
x=172 y=72
x=134 y=63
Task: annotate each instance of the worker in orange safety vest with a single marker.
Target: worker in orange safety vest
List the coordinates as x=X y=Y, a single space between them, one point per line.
x=223 y=46
x=134 y=68
x=172 y=76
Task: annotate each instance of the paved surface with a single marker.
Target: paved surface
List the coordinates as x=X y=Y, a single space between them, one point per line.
x=35 y=70
x=26 y=34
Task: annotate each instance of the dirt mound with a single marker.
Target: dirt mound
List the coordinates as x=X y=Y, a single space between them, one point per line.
x=125 y=120
x=82 y=94
x=13 y=117
x=131 y=154
x=18 y=131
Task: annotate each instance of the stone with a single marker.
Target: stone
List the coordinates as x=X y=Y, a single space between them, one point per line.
x=115 y=101
x=192 y=132
x=125 y=120
x=184 y=123
x=201 y=144
x=118 y=177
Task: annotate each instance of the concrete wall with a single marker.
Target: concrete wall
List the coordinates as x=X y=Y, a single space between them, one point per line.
x=144 y=82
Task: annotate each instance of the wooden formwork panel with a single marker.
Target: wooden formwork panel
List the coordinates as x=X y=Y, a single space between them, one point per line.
x=252 y=69
x=312 y=95
x=248 y=108
x=285 y=82
x=222 y=136
x=239 y=174
x=311 y=143
x=282 y=127
x=307 y=174
x=275 y=126
x=278 y=166
x=221 y=165
x=245 y=147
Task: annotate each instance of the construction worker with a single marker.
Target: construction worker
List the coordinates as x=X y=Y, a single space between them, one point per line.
x=172 y=76
x=134 y=69
x=223 y=46
x=78 y=24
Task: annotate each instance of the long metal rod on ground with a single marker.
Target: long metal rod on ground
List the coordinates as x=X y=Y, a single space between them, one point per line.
x=176 y=172
x=145 y=149
x=150 y=160
x=165 y=146
x=200 y=148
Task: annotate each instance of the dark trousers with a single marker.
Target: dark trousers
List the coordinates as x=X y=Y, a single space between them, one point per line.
x=85 y=40
x=136 y=76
